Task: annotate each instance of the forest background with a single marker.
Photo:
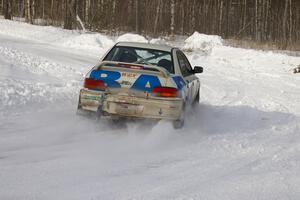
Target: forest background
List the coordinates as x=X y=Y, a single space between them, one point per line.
x=269 y=24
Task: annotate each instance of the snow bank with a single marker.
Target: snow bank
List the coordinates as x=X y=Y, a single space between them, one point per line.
x=158 y=41
x=55 y=36
x=38 y=65
x=88 y=41
x=130 y=37
x=202 y=42
x=28 y=79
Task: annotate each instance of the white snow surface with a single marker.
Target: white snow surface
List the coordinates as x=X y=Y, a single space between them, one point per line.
x=202 y=42
x=131 y=37
x=56 y=36
x=242 y=142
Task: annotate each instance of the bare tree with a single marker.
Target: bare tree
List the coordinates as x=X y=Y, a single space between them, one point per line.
x=172 y=25
x=284 y=24
x=1 y=6
x=137 y=16
x=87 y=11
x=28 y=12
x=7 y=9
x=43 y=9
x=290 y=21
x=158 y=8
x=221 y=16
x=70 y=14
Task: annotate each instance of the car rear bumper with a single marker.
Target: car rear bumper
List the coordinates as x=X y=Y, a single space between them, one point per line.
x=131 y=106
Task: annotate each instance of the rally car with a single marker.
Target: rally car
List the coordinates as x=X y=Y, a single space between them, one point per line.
x=140 y=80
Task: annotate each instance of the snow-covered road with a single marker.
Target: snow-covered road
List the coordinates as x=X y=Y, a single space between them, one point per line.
x=242 y=142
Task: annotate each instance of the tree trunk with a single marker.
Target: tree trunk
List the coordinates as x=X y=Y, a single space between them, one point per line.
x=157 y=16
x=2 y=5
x=172 y=25
x=51 y=11
x=182 y=18
x=113 y=19
x=284 y=26
x=87 y=12
x=221 y=17
x=28 y=12
x=32 y=11
x=245 y=15
x=267 y=20
x=194 y=16
x=228 y=23
x=7 y=9
x=70 y=14
x=290 y=22
x=137 y=16
x=43 y=9
x=21 y=9
x=258 y=20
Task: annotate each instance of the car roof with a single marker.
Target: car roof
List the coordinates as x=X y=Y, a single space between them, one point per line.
x=160 y=47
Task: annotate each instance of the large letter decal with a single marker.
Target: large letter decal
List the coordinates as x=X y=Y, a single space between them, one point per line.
x=109 y=77
x=146 y=83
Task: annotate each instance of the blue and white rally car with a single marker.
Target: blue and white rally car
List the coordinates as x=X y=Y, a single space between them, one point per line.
x=140 y=80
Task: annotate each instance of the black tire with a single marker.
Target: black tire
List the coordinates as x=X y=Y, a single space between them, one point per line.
x=99 y=113
x=178 y=124
x=79 y=103
x=197 y=99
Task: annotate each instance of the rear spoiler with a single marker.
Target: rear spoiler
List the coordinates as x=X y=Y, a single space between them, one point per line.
x=161 y=70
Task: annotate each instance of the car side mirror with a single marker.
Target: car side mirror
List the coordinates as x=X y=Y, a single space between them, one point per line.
x=198 y=70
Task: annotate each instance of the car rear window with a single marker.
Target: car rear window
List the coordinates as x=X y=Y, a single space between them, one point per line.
x=141 y=56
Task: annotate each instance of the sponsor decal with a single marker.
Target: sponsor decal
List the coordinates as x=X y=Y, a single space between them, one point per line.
x=128 y=83
x=94 y=98
x=128 y=75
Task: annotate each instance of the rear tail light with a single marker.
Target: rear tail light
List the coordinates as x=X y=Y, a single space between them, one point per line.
x=165 y=91
x=94 y=84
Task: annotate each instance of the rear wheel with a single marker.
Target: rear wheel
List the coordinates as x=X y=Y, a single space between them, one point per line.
x=197 y=99
x=99 y=113
x=179 y=123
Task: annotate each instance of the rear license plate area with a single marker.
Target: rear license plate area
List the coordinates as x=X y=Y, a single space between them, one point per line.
x=129 y=109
